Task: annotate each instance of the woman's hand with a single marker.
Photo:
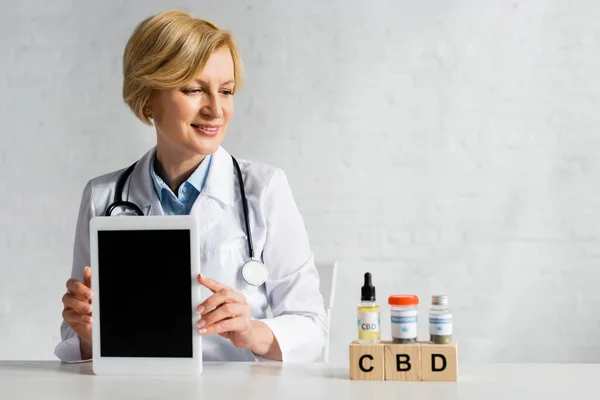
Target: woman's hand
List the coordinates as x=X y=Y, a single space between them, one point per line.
x=227 y=314
x=77 y=310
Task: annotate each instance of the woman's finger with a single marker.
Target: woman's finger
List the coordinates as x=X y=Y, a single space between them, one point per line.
x=87 y=277
x=239 y=324
x=73 y=318
x=79 y=290
x=225 y=311
x=213 y=285
x=80 y=323
x=80 y=306
x=221 y=297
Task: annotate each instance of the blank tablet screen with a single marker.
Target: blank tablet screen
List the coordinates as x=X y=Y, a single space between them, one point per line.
x=145 y=293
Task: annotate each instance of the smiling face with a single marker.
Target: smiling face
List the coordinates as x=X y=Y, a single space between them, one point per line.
x=191 y=121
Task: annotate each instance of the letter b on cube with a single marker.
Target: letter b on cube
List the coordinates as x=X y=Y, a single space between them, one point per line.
x=402 y=362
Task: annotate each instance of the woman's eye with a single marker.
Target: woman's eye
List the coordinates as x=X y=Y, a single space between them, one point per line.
x=226 y=92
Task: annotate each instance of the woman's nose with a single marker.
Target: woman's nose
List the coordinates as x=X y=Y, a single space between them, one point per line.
x=213 y=107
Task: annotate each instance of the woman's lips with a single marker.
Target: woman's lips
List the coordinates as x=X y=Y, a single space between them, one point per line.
x=207 y=130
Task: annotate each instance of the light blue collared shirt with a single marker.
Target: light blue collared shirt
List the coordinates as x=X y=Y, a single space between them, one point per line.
x=187 y=193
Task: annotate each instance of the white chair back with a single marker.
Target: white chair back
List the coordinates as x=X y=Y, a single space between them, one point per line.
x=327 y=280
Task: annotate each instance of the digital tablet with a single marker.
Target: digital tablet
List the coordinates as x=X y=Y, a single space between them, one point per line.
x=144 y=279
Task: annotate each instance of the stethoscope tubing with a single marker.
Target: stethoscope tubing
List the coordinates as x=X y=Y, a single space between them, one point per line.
x=119 y=202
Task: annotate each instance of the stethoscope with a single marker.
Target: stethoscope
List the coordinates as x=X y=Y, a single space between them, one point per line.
x=254 y=272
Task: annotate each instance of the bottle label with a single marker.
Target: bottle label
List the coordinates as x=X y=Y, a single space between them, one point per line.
x=368 y=323
x=440 y=324
x=404 y=324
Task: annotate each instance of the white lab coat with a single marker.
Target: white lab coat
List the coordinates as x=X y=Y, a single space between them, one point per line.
x=292 y=288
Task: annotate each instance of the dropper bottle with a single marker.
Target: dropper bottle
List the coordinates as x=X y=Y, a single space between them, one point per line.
x=368 y=314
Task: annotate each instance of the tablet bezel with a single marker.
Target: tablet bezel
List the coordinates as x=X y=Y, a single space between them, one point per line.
x=145 y=365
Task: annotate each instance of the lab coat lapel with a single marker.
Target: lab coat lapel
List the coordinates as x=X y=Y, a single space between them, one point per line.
x=217 y=194
x=140 y=189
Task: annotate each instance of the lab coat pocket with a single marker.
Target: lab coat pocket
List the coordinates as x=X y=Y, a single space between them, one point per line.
x=226 y=262
x=221 y=261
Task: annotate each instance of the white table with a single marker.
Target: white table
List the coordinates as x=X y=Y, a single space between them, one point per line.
x=222 y=381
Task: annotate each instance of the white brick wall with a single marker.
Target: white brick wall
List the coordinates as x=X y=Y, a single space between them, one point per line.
x=444 y=146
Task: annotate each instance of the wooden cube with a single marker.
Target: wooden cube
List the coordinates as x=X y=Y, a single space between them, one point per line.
x=366 y=361
x=402 y=361
x=439 y=362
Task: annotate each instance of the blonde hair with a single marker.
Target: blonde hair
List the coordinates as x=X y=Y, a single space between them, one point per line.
x=167 y=51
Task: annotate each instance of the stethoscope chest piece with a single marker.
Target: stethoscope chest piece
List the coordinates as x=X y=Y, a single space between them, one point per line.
x=254 y=272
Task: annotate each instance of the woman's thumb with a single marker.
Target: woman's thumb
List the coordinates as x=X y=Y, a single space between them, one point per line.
x=87 y=277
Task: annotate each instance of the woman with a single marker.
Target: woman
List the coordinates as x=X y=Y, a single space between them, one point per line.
x=180 y=75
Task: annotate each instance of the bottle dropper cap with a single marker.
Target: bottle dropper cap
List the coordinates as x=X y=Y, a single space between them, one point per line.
x=368 y=290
